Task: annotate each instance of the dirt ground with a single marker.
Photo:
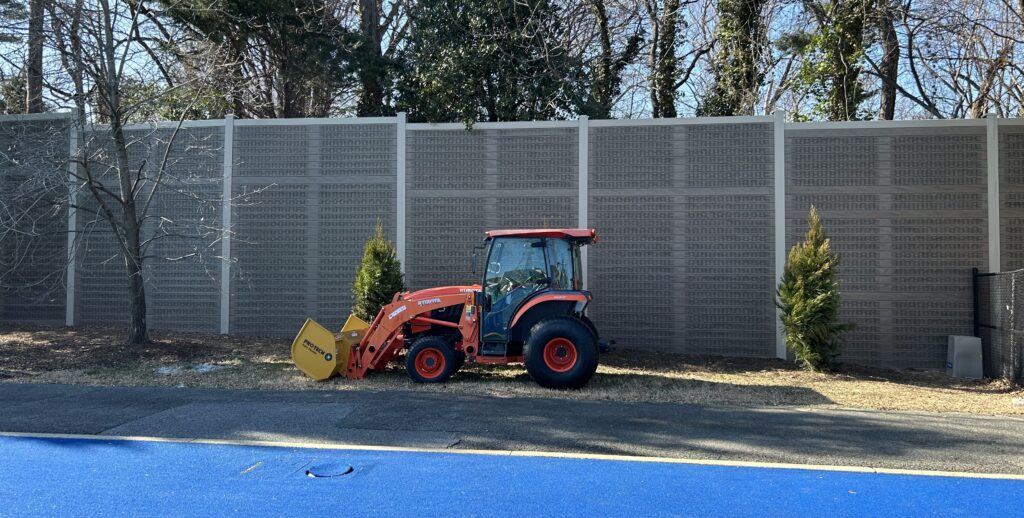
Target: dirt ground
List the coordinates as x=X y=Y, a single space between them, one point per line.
x=99 y=357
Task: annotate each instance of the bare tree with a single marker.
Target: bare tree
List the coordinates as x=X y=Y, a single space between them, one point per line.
x=119 y=173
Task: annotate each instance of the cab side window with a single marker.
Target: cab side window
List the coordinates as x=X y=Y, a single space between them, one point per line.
x=562 y=264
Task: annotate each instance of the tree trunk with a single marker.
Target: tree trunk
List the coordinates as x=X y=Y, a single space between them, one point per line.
x=604 y=82
x=889 y=67
x=371 y=73
x=138 y=327
x=665 y=68
x=131 y=243
x=34 y=76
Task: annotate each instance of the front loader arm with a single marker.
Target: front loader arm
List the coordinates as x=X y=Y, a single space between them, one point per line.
x=385 y=338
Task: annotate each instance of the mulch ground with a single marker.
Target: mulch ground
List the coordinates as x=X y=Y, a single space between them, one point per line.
x=99 y=356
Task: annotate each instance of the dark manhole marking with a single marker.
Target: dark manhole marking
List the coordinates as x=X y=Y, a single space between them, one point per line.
x=329 y=471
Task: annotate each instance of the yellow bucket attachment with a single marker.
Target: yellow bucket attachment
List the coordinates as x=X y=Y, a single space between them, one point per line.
x=319 y=354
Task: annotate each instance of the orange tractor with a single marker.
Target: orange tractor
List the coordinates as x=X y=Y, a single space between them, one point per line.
x=529 y=309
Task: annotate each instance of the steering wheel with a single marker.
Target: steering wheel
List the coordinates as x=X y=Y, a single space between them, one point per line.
x=519 y=278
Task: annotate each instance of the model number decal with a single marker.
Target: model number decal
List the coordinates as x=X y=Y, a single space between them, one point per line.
x=396 y=312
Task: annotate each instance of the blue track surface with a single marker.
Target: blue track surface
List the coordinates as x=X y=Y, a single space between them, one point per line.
x=71 y=477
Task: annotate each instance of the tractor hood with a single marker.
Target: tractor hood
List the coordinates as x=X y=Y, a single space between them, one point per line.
x=439 y=291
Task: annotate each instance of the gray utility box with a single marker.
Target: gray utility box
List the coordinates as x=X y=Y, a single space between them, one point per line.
x=963 y=358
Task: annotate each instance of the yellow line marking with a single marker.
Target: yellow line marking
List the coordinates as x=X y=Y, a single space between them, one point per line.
x=510 y=453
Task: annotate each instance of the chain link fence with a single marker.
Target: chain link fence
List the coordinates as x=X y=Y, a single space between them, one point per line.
x=999 y=301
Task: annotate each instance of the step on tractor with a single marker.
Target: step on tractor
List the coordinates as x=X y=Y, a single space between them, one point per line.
x=530 y=309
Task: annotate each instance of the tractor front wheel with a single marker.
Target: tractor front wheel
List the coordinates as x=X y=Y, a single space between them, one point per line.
x=561 y=353
x=431 y=360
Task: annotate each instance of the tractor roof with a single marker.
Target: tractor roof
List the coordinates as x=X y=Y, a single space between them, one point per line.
x=588 y=235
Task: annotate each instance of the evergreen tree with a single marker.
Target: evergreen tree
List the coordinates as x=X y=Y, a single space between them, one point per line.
x=808 y=296
x=379 y=276
x=488 y=60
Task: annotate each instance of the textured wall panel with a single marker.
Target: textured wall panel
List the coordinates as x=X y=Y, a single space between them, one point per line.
x=357 y=150
x=274 y=150
x=299 y=240
x=450 y=159
x=347 y=217
x=184 y=275
x=906 y=210
x=1011 y=192
x=33 y=226
x=462 y=183
x=270 y=285
x=684 y=215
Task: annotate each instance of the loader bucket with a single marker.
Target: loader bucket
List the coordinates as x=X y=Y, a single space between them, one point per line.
x=317 y=352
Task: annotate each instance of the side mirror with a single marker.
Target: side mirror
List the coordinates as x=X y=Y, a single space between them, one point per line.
x=473 y=263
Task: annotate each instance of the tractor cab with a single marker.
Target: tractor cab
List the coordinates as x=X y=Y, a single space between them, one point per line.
x=529 y=275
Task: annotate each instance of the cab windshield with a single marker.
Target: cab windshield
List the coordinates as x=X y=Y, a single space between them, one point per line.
x=516 y=268
x=529 y=264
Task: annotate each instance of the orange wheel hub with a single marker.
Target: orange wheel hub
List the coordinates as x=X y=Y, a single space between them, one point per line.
x=560 y=355
x=430 y=363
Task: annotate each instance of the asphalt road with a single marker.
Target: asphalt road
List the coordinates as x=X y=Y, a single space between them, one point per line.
x=95 y=477
x=821 y=436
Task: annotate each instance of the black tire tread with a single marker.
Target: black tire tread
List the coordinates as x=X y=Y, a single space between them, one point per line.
x=586 y=349
x=450 y=359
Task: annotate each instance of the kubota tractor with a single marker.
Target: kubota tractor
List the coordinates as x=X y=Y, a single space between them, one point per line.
x=529 y=309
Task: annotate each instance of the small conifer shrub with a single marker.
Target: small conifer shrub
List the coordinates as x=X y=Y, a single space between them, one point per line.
x=808 y=297
x=379 y=276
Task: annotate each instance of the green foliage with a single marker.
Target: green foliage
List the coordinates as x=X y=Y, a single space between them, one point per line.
x=149 y=101
x=13 y=91
x=808 y=296
x=487 y=60
x=290 y=57
x=834 y=58
x=736 y=67
x=379 y=276
x=606 y=68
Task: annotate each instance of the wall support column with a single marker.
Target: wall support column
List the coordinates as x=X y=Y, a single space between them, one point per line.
x=992 y=161
x=780 y=224
x=400 y=188
x=582 y=197
x=225 y=215
x=72 y=270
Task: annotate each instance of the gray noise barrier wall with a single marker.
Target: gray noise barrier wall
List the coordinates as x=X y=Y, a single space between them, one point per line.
x=684 y=219
x=462 y=183
x=307 y=198
x=906 y=209
x=1011 y=190
x=33 y=233
x=688 y=221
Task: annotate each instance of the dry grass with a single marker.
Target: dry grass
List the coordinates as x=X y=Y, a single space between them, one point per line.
x=94 y=356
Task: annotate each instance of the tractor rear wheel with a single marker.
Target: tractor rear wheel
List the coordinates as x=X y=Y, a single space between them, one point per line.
x=561 y=353
x=431 y=360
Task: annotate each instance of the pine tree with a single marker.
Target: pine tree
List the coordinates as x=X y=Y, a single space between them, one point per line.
x=379 y=276
x=808 y=296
